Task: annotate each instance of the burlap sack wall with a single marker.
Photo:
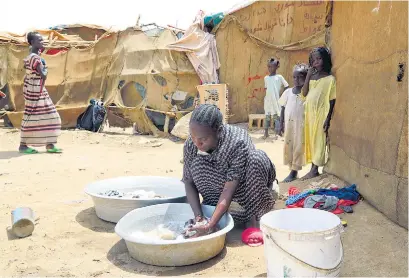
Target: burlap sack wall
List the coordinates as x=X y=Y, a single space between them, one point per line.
x=247 y=38
x=369 y=133
x=79 y=74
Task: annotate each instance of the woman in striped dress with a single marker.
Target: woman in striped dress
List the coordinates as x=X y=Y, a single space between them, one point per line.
x=41 y=123
x=222 y=165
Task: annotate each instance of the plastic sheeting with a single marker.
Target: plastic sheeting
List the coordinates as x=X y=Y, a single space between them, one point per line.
x=200 y=47
x=128 y=69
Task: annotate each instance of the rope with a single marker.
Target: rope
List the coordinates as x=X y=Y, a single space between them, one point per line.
x=295 y=46
x=306 y=265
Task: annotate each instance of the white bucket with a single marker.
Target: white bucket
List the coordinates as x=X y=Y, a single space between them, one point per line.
x=301 y=242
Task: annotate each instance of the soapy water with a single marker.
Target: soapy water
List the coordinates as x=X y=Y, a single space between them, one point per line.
x=172 y=230
x=137 y=194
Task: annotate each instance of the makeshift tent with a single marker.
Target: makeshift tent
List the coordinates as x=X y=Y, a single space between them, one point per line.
x=248 y=37
x=369 y=131
x=127 y=69
x=200 y=48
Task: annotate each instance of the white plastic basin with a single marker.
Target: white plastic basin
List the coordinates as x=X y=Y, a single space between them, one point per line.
x=113 y=208
x=170 y=252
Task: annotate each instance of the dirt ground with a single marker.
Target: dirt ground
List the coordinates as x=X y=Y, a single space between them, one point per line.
x=69 y=240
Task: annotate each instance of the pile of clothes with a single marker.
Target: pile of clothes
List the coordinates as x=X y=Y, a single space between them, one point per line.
x=333 y=199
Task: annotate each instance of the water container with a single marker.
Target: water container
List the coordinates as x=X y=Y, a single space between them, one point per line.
x=302 y=242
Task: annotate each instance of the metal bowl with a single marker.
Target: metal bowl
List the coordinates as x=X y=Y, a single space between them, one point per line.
x=113 y=208
x=178 y=252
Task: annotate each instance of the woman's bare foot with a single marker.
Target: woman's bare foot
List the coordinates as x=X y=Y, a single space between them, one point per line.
x=291 y=177
x=312 y=174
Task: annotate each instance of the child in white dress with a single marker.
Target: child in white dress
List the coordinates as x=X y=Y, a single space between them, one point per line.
x=273 y=84
x=292 y=122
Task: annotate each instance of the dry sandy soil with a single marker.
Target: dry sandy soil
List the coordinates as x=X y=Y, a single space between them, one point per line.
x=69 y=240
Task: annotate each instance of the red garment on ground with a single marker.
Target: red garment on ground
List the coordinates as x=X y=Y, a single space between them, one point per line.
x=293 y=191
x=252 y=237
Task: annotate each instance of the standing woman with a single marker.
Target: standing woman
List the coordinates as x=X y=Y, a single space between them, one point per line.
x=222 y=164
x=41 y=123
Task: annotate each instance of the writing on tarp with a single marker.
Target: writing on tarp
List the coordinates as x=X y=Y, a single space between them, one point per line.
x=312 y=23
x=256 y=91
x=251 y=78
x=269 y=25
x=280 y=7
x=254 y=13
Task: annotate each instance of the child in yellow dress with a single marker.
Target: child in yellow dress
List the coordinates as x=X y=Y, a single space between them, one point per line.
x=320 y=93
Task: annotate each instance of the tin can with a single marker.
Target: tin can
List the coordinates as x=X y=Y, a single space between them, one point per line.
x=22 y=221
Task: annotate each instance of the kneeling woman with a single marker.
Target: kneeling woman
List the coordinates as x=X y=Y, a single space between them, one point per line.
x=222 y=164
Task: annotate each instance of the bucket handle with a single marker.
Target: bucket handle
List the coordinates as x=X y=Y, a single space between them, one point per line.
x=297 y=260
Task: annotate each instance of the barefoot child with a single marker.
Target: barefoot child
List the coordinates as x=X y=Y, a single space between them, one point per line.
x=292 y=121
x=273 y=84
x=320 y=93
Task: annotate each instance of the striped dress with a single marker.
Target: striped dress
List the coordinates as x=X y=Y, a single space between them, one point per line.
x=41 y=123
x=234 y=159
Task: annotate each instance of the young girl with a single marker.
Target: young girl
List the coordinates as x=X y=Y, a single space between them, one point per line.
x=319 y=90
x=273 y=84
x=292 y=120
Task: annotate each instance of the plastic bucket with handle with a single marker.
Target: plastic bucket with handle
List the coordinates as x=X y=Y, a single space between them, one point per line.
x=302 y=242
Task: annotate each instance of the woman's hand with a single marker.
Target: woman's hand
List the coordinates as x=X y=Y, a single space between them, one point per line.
x=201 y=230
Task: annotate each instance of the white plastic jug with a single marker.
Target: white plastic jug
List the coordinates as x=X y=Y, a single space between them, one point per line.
x=302 y=242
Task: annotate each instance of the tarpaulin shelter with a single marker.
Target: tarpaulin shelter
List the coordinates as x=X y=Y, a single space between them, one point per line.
x=127 y=69
x=251 y=34
x=369 y=131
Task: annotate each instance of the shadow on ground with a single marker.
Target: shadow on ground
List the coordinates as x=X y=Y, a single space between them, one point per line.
x=10 y=234
x=88 y=219
x=233 y=238
x=9 y=154
x=119 y=256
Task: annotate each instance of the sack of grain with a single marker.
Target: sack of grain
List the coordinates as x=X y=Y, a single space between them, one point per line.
x=181 y=129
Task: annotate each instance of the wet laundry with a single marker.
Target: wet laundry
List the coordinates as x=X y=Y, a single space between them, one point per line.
x=137 y=194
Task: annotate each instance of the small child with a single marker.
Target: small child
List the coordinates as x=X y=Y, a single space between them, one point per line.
x=320 y=92
x=273 y=84
x=292 y=121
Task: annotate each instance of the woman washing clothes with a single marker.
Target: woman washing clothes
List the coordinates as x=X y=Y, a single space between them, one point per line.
x=222 y=165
